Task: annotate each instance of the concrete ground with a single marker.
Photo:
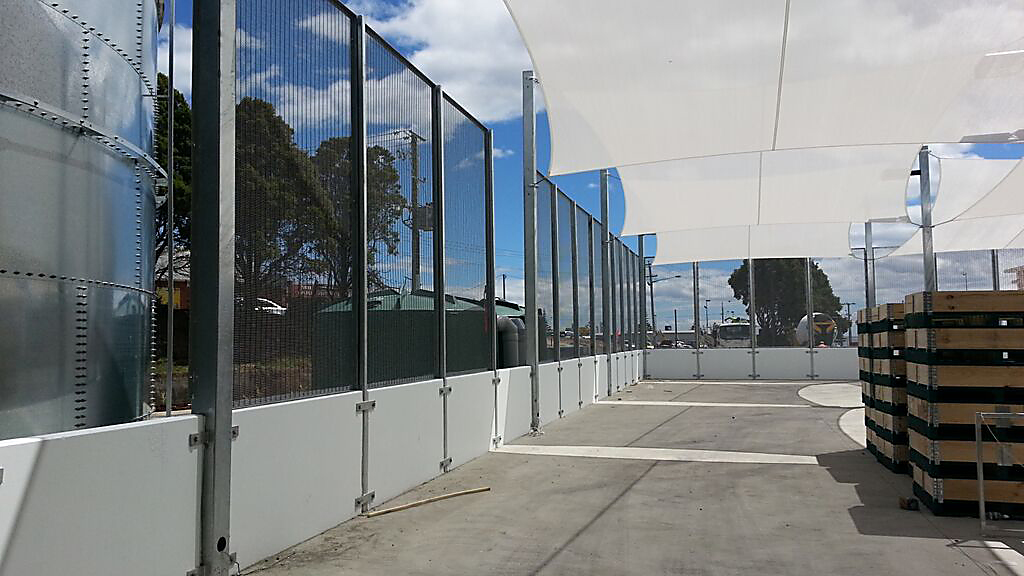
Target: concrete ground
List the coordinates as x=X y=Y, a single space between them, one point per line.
x=831 y=510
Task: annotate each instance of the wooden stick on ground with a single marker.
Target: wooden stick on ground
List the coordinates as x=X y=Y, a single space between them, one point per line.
x=426 y=501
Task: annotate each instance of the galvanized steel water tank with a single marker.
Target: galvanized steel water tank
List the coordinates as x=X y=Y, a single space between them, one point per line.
x=77 y=84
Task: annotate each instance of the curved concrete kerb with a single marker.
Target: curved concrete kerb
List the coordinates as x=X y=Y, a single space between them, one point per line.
x=837 y=395
x=852 y=424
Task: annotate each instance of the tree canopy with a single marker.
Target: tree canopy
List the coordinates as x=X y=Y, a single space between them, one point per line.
x=780 y=294
x=182 y=177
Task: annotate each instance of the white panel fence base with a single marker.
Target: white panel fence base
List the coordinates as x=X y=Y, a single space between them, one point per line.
x=295 y=468
x=735 y=364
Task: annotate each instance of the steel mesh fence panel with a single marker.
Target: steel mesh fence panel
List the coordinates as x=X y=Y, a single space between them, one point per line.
x=597 y=244
x=566 y=291
x=970 y=270
x=613 y=281
x=1011 y=269
x=671 y=317
x=725 y=312
x=780 y=299
x=294 y=331
x=897 y=276
x=402 y=323
x=468 y=327
x=620 y=285
x=584 y=277
x=545 y=273
x=845 y=278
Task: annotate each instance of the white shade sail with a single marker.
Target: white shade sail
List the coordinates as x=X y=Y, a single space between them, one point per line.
x=976 y=234
x=819 y=185
x=767 y=241
x=656 y=80
x=963 y=182
x=1006 y=197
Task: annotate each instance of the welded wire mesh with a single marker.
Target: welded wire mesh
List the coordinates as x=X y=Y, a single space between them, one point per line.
x=294 y=331
x=1011 y=269
x=897 y=276
x=402 y=322
x=671 y=317
x=845 y=278
x=780 y=300
x=724 y=312
x=545 y=273
x=964 y=270
x=468 y=329
x=584 y=261
x=620 y=296
x=597 y=246
x=613 y=281
x=566 y=284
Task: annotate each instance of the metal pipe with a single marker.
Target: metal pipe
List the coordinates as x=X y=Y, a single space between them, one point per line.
x=592 y=293
x=360 y=261
x=574 y=248
x=869 y=266
x=980 y=457
x=642 y=286
x=213 y=271
x=930 y=279
x=606 y=280
x=995 y=269
x=753 y=319
x=530 y=242
x=810 y=317
x=169 y=385
x=440 y=284
x=696 y=314
x=492 y=310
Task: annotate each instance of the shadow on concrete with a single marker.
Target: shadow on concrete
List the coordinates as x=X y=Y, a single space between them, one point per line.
x=879 y=491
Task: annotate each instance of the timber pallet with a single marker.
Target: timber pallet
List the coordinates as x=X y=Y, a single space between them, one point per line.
x=958 y=496
x=958 y=458
x=892 y=456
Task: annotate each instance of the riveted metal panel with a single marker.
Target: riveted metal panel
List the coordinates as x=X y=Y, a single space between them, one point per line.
x=41 y=54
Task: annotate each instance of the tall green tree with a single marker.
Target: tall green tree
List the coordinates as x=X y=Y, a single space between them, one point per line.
x=182 y=179
x=780 y=294
x=385 y=205
x=280 y=204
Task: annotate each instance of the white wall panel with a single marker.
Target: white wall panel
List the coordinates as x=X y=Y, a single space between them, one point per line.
x=588 y=379
x=571 y=385
x=295 y=472
x=836 y=364
x=406 y=438
x=549 y=394
x=515 y=390
x=672 y=364
x=783 y=364
x=470 y=416
x=725 y=363
x=114 y=500
x=601 y=377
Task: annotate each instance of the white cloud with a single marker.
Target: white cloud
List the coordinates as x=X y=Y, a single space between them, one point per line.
x=246 y=41
x=471 y=48
x=182 y=57
x=503 y=153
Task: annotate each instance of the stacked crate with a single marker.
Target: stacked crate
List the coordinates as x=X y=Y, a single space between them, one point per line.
x=965 y=354
x=864 y=356
x=886 y=418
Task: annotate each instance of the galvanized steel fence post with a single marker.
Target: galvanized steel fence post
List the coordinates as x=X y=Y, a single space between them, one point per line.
x=696 y=316
x=492 y=312
x=556 y=293
x=575 y=280
x=995 y=269
x=930 y=280
x=169 y=102
x=530 y=241
x=606 y=280
x=642 y=285
x=440 y=286
x=810 y=316
x=869 y=266
x=752 y=319
x=360 y=261
x=213 y=272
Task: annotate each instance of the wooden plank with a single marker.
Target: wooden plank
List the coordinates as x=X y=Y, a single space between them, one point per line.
x=978 y=301
x=971 y=338
x=968 y=376
x=896 y=424
x=889 y=339
x=889 y=366
x=891 y=395
x=962 y=450
x=890 y=311
x=864 y=364
x=913 y=303
x=967 y=489
x=955 y=413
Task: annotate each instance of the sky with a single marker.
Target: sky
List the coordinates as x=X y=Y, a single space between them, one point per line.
x=475 y=52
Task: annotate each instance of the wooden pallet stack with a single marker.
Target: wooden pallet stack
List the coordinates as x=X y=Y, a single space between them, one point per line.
x=886 y=417
x=965 y=354
x=864 y=356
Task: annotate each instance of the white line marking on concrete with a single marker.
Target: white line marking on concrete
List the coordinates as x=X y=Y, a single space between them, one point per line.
x=663 y=454
x=704 y=404
x=837 y=395
x=852 y=424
